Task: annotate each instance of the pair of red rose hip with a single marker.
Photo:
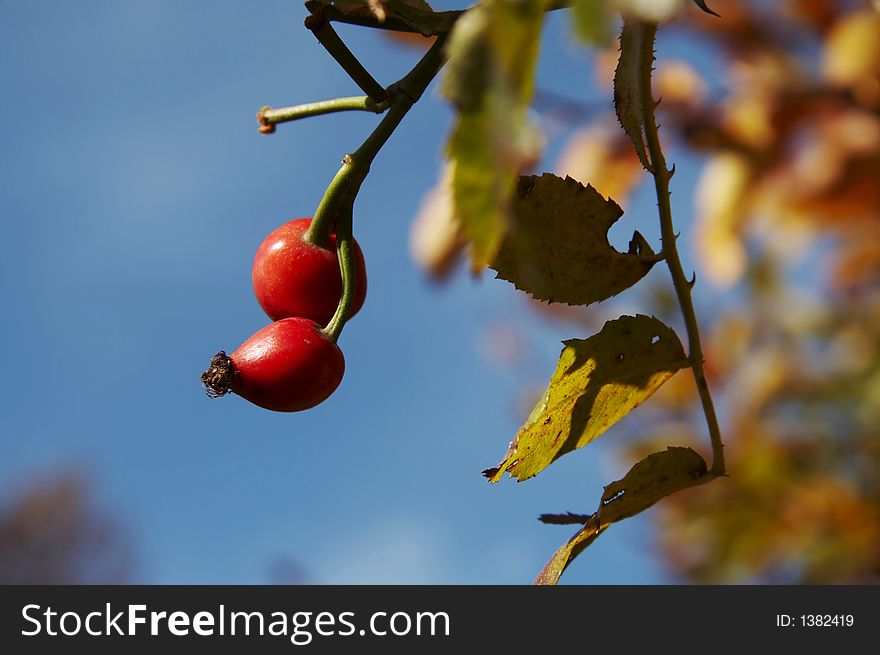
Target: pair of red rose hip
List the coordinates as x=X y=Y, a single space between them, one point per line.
x=291 y=364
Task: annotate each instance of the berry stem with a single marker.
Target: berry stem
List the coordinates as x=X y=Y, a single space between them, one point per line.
x=356 y=166
x=268 y=117
x=347 y=268
x=336 y=207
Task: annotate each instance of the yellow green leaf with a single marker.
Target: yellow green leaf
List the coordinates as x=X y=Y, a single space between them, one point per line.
x=592 y=20
x=479 y=186
x=655 y=477
x=467 y=73
x=490 y=80
x=597 y=382
x=566 y=553
x=557 y=247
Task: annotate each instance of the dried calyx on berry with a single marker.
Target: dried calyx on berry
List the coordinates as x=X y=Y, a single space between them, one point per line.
x=219 y=378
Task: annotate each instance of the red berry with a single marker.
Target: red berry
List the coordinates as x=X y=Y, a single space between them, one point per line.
x=293 y=277
x=288 y=366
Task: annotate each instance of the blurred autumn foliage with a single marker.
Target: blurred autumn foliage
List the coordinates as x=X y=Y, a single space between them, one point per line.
x=52 y=533
x=788 y=211
x=788 y=228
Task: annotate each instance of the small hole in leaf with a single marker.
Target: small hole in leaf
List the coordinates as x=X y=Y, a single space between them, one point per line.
x=617 y=494
x=619 y=357
x=655 y=339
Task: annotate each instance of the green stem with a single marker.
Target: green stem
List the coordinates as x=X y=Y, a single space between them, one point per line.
x=347 y=268
x=324 y=32
x=356 y=166
x=682 y=285
x=269 y=117
x=325 y=215
x=335 y=210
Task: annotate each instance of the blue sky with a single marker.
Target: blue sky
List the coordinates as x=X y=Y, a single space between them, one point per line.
x=134 y=190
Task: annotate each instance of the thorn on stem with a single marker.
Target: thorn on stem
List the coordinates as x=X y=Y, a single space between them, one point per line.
x=672 y=171
x=693 y=280
x=702 y=5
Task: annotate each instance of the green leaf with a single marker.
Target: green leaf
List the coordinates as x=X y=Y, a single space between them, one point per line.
x=468 y=71
x=632 y=81
x=557 y=247
x=597 y=382
x=479 y=186
x=592 y=21
x=490 y=80
x=655 y=477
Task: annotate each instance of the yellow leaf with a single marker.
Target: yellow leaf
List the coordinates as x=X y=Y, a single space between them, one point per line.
x=602 y=156
x=566 y=553
x=721 y=203
x=677 y=83
x=597 y=382
x=656 y=476
x=851 y=57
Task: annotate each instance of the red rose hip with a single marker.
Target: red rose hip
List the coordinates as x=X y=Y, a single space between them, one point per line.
x=293 y=277
x=288 y=366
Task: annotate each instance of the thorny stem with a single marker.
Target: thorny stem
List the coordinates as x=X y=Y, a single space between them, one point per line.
x=682 y=285
x=336 y=205
x=324 y=32
x=268 y=117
